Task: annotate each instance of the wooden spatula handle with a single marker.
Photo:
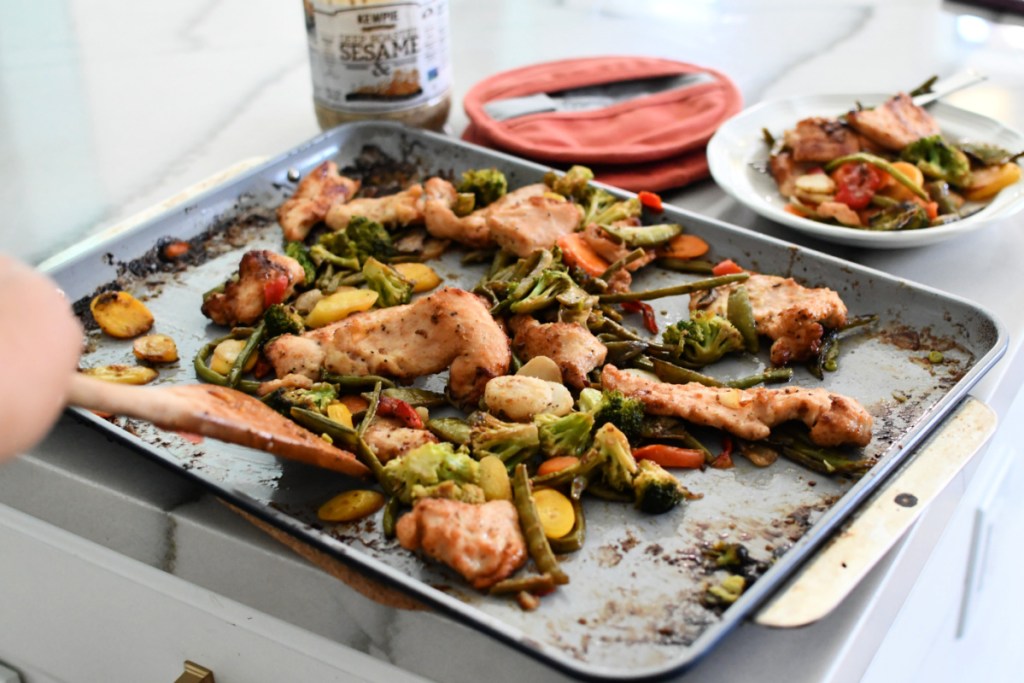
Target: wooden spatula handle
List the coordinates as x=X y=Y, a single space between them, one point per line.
x=119 y=399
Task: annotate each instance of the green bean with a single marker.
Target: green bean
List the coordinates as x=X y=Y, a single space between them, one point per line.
x=696 y=266
x=620 y=353
x=536 y=541
x=534 y=583
x=205 y=373
x=675 y=290
x=794 y=444
x=741 y=314
x=371 y=410
x=622 y=263
x=769 y=376
x=450 y=429
x=675 y=374
x=880 y=163
x=350 y=383
x=573 y=540
x=252 y=345
x=390 y=517
x=349 y=438
x=417 y=397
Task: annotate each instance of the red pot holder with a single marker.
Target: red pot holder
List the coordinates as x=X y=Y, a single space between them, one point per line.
x=641 y=123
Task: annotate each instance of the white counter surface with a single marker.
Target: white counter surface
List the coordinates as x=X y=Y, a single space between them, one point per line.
x=108 y=107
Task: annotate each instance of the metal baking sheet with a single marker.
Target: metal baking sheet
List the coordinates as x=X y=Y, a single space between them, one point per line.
x=632 y=608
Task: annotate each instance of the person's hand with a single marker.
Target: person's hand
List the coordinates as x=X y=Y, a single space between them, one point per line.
x=40 y=342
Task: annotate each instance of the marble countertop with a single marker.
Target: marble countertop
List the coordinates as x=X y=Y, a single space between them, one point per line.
x=107 y=108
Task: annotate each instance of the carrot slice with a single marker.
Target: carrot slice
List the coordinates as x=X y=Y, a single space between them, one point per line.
x=726 y=267
x=670 y=456
x=650 y=200
x=684 y=247
x=577 y=252
x=556 y=464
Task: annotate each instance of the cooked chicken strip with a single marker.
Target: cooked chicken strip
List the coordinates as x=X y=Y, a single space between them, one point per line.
x=895 y=124
x=316 y=193
x=529 y=219
x=390 y=438
x=399 y=209
x=264 y=279
x=442 y=222
x=833 y=419
x=573 y=348
x=483 y=543
x=788 y=313
x=819 y=139
x=450 y=328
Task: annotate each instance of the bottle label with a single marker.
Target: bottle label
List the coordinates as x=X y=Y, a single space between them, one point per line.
x=379 y=57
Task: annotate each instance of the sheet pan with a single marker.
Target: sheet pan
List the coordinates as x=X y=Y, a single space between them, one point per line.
x=632 y=610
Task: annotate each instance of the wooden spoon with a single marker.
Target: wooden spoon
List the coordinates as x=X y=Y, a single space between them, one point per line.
x=217 y=412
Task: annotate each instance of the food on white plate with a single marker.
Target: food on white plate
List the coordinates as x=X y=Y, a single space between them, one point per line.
x=885 y=168
x=578 y=403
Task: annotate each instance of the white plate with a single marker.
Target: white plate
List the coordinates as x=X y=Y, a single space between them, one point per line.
x=737 y=152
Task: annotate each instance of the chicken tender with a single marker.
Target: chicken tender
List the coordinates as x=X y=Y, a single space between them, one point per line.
x=820 y=139
x=573 y=348
x=529 y=219
x=792 y=315
x=451 y=328
x=833 y=419
x=483 y=543
x=393 y=210
x=442 y=223
x=323 y=187
x=264 y=278
x=895 y=124
x=389 y=438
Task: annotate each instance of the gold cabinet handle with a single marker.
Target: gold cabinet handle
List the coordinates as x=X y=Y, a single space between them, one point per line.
x=195 y=673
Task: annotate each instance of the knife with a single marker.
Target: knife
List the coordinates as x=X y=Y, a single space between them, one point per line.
x=591 y=97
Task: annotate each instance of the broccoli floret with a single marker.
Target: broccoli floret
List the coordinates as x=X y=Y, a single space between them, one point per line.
x=369 y=238
x=626 y=413
x=548 y=287
x=574 y=184
x=567 y=435
x=316 y=398
x=938 y=159
x=487 y=185
x=510 y=442
x=280 y=319
x=610 y=210
x=611 y=450
x=392 y=287
x=425 y=471
x=703 y=339
x=336 y=249
x=656 y=490
x=900 y=216
x=299 y=252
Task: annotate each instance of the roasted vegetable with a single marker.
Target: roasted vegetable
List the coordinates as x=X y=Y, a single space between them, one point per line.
x=987 y=182
x=938 y=159
x=510 y=442
x=421 y=471
x=369 y=238
x=300 y=252
x=487 y=185
x=643 y=235
x=626 y=414
x=316 y=399
x=573 y=184
x=155 y=348
x=900 y=216
x=351 y=506
x=121 y=315
x=393 y=289
x=122 y=374
x=339 y=305
x=226 y=353
x=280 y=319
x=656 y=489
x=561 y=436
x=703 y=339
x=555 y=512
x=423 y=277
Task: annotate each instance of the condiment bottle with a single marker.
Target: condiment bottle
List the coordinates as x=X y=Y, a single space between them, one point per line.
x=380 y=59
